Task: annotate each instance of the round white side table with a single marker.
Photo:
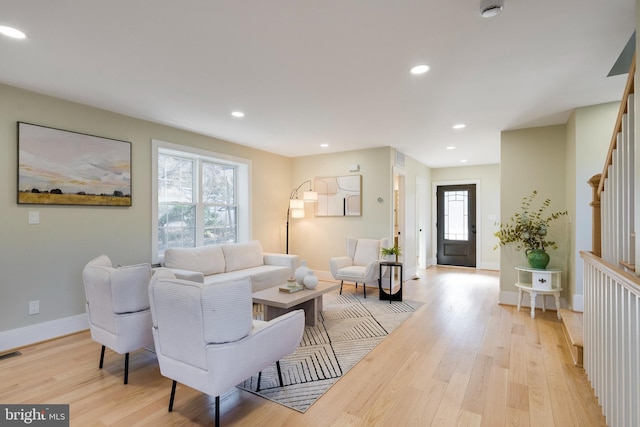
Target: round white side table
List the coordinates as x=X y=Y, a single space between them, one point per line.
x=539 y=282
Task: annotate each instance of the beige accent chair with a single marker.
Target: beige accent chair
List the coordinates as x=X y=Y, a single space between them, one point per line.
x=206 y=338
x=117 y=303
x=361 y=263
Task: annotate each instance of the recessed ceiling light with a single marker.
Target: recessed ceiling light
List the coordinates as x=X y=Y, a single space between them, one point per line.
x=451 y=147
x=420 y=69
x=463 y=161
x=459 y=126
x=490 y=8
x=324 y=145
x=12 y=32
x=237 y=114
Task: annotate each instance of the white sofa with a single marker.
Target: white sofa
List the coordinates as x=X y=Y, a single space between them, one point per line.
x=214 y=264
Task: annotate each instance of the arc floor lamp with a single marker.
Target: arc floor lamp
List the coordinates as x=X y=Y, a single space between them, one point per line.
x=296 y=205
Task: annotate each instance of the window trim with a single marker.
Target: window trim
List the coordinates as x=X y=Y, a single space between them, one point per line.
x=243 y=187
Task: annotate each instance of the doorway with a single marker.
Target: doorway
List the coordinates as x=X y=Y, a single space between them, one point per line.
x=399 y=221
x=456 y=225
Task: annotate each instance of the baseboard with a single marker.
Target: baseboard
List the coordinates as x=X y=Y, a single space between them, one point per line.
x=578 y=303
x=410 y=273
x=489 y=266
x=479 y=266
x=511 y=298
x=325 y=276
x=27 y=335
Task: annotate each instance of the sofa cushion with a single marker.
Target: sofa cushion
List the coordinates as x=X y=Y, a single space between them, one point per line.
x=227 y=311
x=205 y=259
x=239 y=256
x=353 y=272
x=367 y=250
x=262 y=277
x=102 y=260
x=129 y=288
x=177 y=312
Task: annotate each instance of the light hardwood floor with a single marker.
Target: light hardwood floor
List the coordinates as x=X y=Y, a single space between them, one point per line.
x=460 y=360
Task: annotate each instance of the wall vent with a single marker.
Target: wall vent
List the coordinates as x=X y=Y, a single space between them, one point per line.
x=399 y=158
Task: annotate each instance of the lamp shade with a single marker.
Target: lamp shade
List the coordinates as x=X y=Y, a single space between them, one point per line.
x=297 y=213
x=296 y=204
x=310 y=196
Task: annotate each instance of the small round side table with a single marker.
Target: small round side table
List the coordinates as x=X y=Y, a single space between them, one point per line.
x=536 y=282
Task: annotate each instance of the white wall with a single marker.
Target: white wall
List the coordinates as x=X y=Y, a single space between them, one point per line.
x=570 y=277
x=532 y=159
x=589 y=132
x=316 y=239
x=487 y=204
x=416 y=171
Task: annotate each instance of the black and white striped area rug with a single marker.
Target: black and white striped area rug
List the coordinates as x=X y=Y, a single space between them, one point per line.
x=351 y=326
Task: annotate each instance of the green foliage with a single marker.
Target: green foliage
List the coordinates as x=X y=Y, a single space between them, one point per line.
x=395 y=250
x=529 y=227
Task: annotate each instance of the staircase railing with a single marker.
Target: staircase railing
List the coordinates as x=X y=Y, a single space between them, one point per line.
x=614 y=189
x=612 y=339
x=611 y=289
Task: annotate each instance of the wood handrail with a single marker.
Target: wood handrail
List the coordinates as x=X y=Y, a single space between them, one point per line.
x=624 y=278
x=629 y=89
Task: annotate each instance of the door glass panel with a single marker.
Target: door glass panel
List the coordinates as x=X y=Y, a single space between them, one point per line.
x=456 y=217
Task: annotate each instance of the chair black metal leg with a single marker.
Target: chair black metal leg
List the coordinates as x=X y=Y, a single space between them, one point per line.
x=126 y=368
x=341 y=282
x=279 y=373
x=173 y=394
x=364 y=287
x=217 y=411
x=259 y=378
x=102 y=356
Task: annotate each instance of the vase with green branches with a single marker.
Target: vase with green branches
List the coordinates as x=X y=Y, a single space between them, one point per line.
x=528 y=229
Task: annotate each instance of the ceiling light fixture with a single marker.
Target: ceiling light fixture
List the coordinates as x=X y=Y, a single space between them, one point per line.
x=451 y=147
x=237 y=114
x=463 y=161
x=12 y=32
x=324 y=145
x=489 y=8
x=420 y=69
x=459 y=126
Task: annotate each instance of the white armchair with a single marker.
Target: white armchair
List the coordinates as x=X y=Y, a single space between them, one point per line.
x=361 y=264
x=206 y=338
x=117 y=303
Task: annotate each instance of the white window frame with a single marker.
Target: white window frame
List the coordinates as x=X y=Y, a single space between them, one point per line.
x=243 y=188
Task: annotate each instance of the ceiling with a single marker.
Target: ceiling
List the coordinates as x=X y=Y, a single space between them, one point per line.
x=325 y=71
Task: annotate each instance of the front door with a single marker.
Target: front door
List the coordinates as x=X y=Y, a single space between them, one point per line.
x=456 y=225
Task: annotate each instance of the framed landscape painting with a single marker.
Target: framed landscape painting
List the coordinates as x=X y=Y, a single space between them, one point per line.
x=59 y=167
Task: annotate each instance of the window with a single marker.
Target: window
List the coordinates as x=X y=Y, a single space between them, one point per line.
x=456 y=217
x=200 y=198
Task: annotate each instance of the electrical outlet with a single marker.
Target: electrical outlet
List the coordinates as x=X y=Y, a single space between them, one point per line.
x=34 y=307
